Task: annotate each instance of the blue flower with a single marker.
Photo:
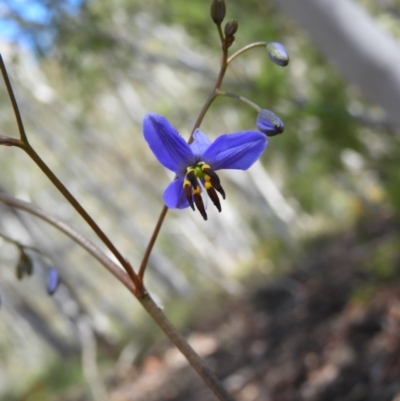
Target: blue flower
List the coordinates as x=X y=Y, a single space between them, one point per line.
x=195 y=164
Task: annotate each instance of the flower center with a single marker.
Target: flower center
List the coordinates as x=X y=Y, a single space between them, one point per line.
x=192 y=188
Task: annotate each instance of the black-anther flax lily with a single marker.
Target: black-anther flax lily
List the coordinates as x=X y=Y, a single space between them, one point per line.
x=195 y=164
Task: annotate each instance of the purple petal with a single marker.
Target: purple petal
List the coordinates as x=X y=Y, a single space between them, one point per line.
x=200 y=143
x=168 y=146
x=174 y=196
x=235 y=151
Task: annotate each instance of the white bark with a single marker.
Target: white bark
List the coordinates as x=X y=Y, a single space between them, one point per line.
x=352 y=41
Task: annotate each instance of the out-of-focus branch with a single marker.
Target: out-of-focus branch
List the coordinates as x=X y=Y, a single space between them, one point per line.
x=88 y=245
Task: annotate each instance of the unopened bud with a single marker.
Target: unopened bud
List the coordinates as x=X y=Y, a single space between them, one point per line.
x=218 y=11
x=269 y=124
x=24 y=266
x=231 y=28
x=53 y=280
x=277 y=53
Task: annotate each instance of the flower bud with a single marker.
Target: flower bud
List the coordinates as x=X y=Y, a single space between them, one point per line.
x=269 y=124
x=24 y=266
x=277 y=54
x=53 y=280
x=231 y=28
x=218 y=11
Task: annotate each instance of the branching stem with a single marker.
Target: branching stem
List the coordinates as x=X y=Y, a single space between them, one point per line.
x=23 y=143
x=130 y=279
x=146 y=301
x=199 y=120
x=10 y=91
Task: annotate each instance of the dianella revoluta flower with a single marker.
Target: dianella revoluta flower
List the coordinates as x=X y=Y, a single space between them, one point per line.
x=195 y=164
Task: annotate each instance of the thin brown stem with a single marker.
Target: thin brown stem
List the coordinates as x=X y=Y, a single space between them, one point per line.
x=245 y=49
x=220 y=33
x=152 y=241
x=24 y=144
x=240 y=98
x=7 y=141
x=146 y=301
x=10 y=91
x=195 y=361
x=85 y=215
x=85 y=243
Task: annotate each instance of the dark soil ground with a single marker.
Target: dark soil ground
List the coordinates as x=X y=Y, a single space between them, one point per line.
x=327 y=331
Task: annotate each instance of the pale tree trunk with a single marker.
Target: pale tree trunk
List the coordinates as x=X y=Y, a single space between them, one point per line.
x=351 y=40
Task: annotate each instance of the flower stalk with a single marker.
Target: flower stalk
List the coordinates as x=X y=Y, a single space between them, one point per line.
x=255 y=106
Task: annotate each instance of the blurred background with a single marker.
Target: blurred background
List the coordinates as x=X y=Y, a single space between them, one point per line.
x=293 y=291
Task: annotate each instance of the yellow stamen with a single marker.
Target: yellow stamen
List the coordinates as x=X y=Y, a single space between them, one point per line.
x=196 y=191
x=204 y=165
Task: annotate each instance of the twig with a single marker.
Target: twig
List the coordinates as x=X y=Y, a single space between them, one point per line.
x=10 y=91
x=240 y=98
x=24 y=144
x=245 y=49
x=147 y=302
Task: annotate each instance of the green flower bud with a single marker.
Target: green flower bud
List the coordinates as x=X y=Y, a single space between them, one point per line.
x=217 y=11
x=277 y=54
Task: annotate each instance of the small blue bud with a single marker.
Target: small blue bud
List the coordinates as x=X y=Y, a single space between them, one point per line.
x=24 y=266
x=269 y=124
x=53 y=280
x=231 y=28
x=277 y=53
